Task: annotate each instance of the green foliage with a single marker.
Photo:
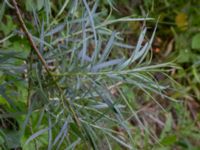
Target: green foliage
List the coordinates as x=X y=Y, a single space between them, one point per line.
x=31 y=5
x=195 y=41
x=100 y=83
x=8 y=26
x=178 y=32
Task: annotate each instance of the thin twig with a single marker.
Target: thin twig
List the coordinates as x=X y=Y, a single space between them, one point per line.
x=29 y=36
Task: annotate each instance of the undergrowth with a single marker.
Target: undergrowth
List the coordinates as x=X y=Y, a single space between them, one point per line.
x=88 y=93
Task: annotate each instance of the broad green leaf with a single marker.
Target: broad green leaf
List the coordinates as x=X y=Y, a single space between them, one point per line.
x=195 y=73
x=40 y=4
x=9 y=25
x=169 y=140
x=196 y=41
x=12 y=139
x=32 y=4
x=184 y=56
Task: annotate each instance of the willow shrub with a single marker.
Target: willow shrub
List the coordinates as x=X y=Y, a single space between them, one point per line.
x=86 y=105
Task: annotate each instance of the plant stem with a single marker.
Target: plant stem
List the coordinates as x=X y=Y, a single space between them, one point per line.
x=29 y=36
x=40 y=57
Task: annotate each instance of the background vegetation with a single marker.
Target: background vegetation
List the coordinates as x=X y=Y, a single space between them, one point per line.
x=114 y=74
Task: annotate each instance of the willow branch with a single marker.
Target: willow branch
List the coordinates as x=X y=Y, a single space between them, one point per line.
x=19 y=16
